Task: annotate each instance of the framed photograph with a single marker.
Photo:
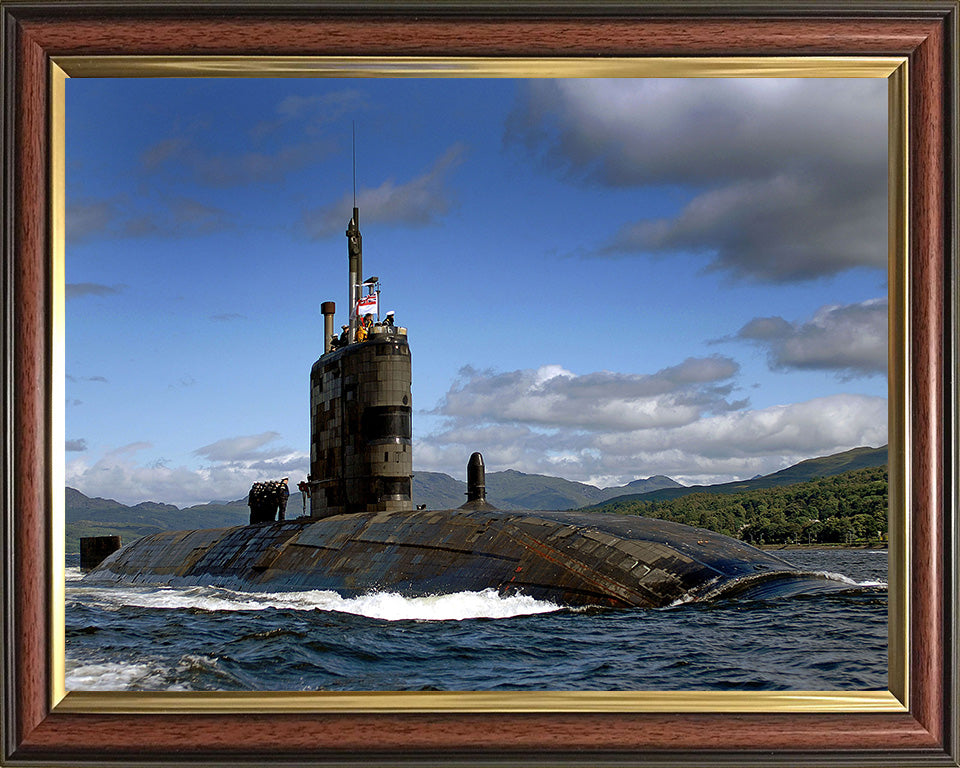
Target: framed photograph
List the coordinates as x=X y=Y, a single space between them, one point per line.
x=903 y=53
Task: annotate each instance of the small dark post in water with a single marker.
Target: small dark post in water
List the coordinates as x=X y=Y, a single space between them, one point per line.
x=95 y=549
x=476 y=484
x=329 y=309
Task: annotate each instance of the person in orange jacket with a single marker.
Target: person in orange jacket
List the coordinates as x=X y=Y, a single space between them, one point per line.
x=364 y=328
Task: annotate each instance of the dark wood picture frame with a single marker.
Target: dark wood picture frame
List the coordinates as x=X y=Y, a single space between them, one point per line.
x=34 y=33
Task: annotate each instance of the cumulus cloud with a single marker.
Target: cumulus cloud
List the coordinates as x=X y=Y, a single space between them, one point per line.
x=775 y=230
x=130 y=475
x=240 y=448
x=738 y=444
x=78 y=290
x=630 y=132
x=609 y=428
x=551 y=396
x=850 y=339
x=74 y=446
x=786 y=178
x=416 y=203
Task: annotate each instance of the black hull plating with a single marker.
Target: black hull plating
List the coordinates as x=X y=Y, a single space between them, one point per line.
x=570 y=558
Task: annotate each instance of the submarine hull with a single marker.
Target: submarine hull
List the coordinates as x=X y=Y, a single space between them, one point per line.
x=569 y=558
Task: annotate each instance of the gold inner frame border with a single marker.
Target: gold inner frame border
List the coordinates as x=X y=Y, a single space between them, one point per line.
x=895 y=699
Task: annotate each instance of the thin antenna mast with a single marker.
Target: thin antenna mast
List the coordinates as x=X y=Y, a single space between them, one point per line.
x=354 y=249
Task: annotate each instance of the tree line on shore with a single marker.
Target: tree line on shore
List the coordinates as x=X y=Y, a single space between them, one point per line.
x=842 y=509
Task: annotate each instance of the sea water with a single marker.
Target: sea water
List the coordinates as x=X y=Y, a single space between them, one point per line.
x=208 y=639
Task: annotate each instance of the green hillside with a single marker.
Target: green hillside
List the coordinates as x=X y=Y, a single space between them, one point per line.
x=437 y=490
x=84 y=528
x=824 y=466
x=508 y=490
x=516 y=490
x=846 y=507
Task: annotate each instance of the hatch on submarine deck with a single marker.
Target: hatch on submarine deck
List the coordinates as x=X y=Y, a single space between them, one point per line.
x=362 y=533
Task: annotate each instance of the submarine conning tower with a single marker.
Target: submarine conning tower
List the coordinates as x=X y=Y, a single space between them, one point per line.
x=361 y=457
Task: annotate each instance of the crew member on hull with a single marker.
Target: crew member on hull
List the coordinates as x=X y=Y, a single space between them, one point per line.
x=304 y=487
x=365 y=325
x=282 y=496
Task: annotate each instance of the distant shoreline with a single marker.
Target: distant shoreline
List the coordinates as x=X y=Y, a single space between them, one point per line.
x=824 y=545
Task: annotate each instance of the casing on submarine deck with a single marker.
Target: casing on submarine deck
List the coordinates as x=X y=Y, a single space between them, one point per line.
x=568 y=558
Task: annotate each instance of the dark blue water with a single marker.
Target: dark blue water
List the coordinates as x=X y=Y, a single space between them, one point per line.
x=198 y=638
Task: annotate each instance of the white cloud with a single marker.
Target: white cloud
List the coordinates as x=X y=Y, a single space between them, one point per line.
x=554 y=397
x=776 y=230
x=814 y=427
x=677 y=422
x=851 y=340
x=235 y=465
x=717 y=445
x=787 y=177
x=241 y=448
x=416 y=203
x=626 y=132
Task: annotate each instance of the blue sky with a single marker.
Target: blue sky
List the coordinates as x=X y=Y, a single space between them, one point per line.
x=601 y=279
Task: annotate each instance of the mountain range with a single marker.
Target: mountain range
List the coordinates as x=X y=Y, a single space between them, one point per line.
x=86 y=516
x=516 y=490
x=810 y=469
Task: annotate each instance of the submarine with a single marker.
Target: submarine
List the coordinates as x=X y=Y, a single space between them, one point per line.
x=362 y=533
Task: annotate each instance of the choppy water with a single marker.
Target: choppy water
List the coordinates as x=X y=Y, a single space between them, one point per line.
x=199 y=638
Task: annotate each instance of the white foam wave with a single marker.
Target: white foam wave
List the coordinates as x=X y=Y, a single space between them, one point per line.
x=72 y=574
x=113 y=676
x=847 y=580
x=487 y=604
x=376 y=605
